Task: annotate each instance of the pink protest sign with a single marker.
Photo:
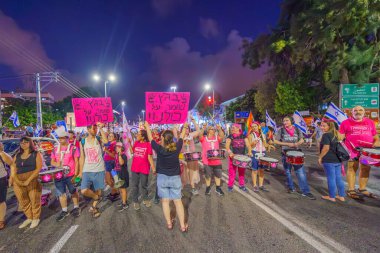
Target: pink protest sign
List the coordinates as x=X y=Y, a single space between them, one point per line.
x=167 y=107
x=89 y=111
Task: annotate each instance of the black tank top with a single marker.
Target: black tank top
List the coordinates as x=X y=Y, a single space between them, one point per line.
x=26 y=165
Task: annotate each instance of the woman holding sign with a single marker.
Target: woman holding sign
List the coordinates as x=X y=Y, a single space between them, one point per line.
x=168 y=174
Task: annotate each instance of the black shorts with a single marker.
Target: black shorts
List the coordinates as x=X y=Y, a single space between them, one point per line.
x=3 y=189
x=124 y=175
x=216 y=169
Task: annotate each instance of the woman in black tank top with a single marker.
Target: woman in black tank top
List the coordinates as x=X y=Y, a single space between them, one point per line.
x=24 y=174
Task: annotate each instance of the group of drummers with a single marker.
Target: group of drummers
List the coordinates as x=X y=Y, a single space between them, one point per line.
x=101 y=159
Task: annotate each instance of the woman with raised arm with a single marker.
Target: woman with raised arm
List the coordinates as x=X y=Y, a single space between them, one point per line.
x=168 y=174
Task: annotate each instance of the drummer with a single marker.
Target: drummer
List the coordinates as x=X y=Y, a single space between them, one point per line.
x=358 y=131
x=66 y=155
x=191 y=167
x=290 y=137
x=210 y=142
x=257 y=141
x=236 y=144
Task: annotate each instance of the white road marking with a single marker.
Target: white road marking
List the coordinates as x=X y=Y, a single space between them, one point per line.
x=59 y=245
x=311 y=236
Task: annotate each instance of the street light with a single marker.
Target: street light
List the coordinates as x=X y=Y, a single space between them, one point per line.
x=111 y=78
x=143 y=112
x=174 y=88
x=208 y=87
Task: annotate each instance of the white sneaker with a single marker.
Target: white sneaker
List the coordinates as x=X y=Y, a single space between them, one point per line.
x=25 y=223
x=35 y=223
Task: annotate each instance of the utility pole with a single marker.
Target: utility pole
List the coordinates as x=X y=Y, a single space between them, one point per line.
x=48 y=77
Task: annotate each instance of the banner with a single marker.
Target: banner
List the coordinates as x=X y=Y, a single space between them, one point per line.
x=167 y=107
x=89 y=111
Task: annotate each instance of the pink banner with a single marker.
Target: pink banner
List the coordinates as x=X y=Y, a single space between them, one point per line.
x=167 y=107
x=89 y=111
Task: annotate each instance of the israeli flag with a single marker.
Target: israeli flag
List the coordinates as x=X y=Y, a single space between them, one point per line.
x=334 y=113
x=315 y=122
x=270 y=122
x=299 y=122
x=55 y=135
x=14 y=119
x=37 y=131
x=61 y=123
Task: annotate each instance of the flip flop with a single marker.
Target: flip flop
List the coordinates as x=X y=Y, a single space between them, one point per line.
x=368 y=194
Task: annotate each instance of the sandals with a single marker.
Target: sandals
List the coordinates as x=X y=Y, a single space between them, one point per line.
x=368 y=194
x=95 y=212
x=170 y=225
x=353 y=194
x=327 y=198
x=341 y=199
x=185 y=229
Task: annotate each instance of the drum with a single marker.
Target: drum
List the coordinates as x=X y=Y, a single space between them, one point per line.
x=370 y=152
x=267 y=162
x=216 y=154
x=370 y=157
x=195 y=156
x=295 y=157
x=45 y=197
x=56 y=174
x=242 y=161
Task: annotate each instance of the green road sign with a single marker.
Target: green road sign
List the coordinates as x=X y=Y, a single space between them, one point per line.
x=368 y=89
x=366 y=102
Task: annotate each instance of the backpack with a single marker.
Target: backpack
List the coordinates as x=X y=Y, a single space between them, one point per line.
x=341 y=151
x=83 y=141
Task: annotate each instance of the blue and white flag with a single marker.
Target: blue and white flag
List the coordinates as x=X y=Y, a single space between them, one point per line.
x=61 y=123
x=299 y=122
x=270 y=122
x=37 y=131
x=54 y=134
x=315 y=122
x=14 y=119
x=334 y=113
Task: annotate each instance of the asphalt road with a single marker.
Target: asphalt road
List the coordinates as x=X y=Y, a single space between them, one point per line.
x=238 y=222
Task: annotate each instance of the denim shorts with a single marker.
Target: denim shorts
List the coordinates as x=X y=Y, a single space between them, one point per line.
x=169 y=187
x=94 y=179
x=109 y=165
x=255 y=162
x=62 y=185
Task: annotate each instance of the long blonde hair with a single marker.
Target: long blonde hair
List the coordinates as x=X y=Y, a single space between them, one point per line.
x=333 y=129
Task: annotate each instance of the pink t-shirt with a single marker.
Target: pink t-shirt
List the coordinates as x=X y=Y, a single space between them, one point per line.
x=140 y=162
x=209 y=144
x=358 y=134
x=68 y=159
x=111 y=148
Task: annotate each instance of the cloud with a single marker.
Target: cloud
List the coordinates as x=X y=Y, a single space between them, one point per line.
x=166 y=7
x=21 y=50
x=208 y=27
x=177 y=62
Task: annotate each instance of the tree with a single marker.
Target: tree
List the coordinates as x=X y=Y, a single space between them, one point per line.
x=288 y=99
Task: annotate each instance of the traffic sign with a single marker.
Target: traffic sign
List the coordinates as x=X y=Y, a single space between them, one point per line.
x=366 y=102
x=241 y=115
x=366 y=95
x=368 y=89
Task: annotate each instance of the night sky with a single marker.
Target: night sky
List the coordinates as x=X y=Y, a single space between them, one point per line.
x=148 y=44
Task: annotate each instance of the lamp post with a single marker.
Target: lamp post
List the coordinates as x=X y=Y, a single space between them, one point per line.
x=143 y=112
x=173 y=88
x=111 y=78
x=208 y=87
